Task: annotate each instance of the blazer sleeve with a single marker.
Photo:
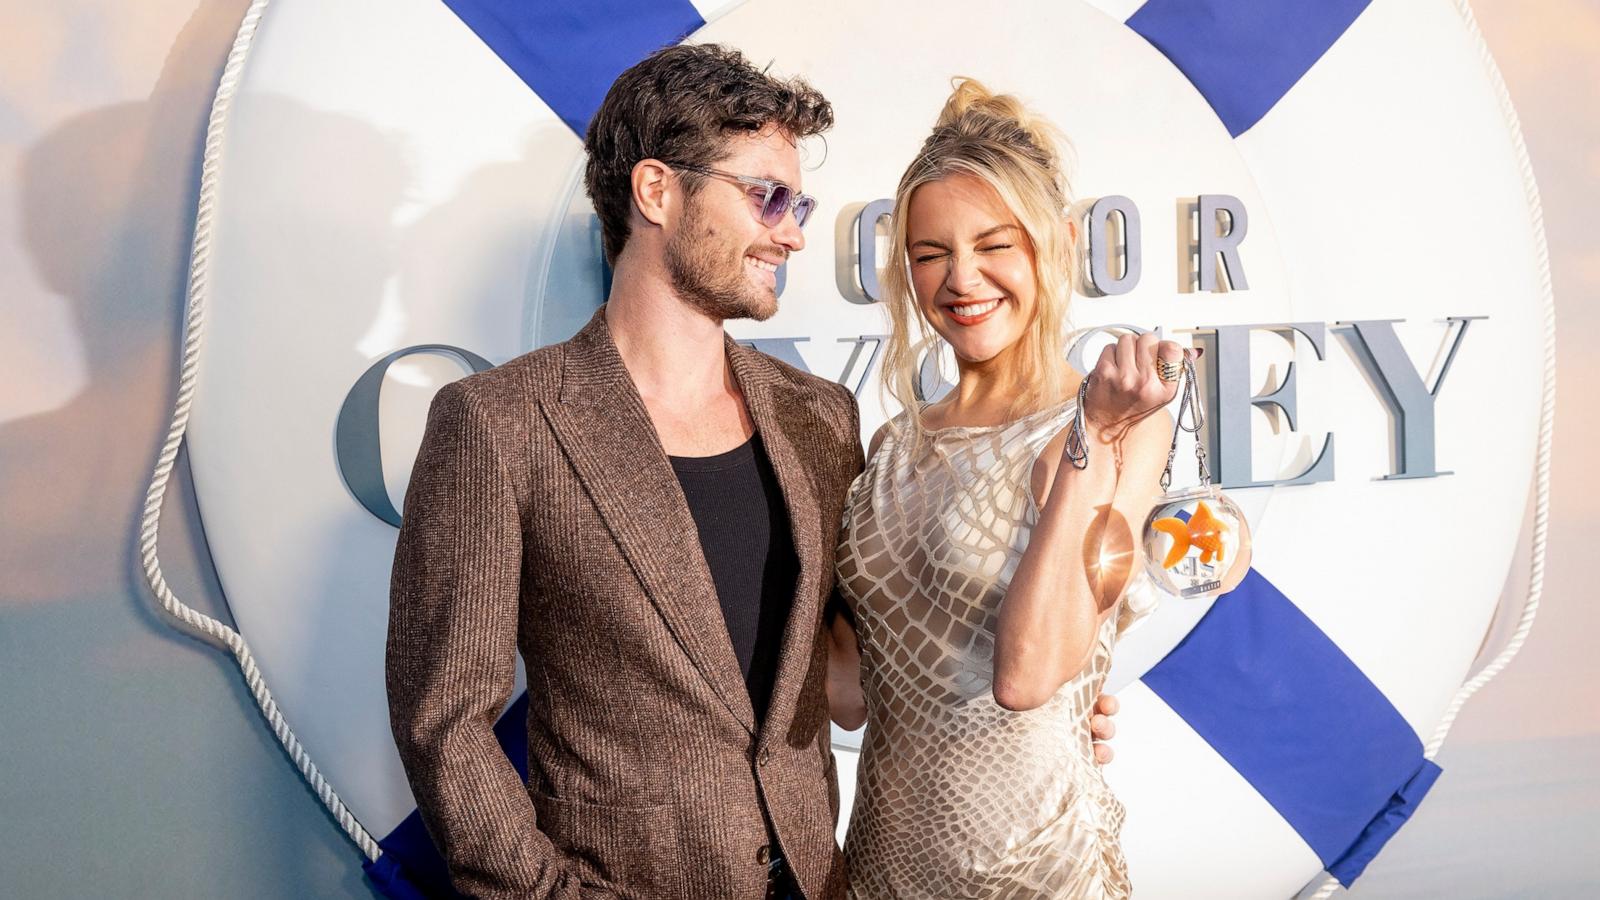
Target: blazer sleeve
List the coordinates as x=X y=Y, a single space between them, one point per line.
x=450 y=662
x=858 y=451
x=855 y=460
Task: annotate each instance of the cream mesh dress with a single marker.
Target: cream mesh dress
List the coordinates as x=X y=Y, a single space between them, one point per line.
x=956 y=796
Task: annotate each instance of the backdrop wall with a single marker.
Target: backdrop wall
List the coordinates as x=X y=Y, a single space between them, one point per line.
x=135 y=761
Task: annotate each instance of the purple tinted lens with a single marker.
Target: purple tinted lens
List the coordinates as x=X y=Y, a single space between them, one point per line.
x=777 y=205
x=802 y=210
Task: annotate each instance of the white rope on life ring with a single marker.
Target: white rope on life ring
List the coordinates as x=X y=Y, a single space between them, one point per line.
x=193 y=335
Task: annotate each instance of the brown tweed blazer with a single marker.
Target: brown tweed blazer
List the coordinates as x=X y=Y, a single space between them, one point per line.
x=543 y=517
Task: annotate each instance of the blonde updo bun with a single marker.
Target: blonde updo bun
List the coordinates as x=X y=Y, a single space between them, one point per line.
x=974 y=113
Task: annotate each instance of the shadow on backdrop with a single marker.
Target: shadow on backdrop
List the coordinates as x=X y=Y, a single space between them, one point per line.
x=131 y=743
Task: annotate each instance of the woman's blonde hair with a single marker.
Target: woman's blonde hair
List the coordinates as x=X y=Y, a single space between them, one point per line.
x=994 y=138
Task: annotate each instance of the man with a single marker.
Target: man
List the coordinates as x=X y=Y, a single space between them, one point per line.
x=648 y=513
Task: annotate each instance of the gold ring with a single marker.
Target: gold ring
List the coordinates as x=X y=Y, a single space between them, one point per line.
x=1168 y=371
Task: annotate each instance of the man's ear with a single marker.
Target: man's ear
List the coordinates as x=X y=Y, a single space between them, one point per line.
x=651 y=187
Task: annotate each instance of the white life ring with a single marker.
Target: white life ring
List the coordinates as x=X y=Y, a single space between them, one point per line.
x=387 y=175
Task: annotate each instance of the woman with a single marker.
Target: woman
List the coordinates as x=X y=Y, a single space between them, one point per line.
x=983 y=573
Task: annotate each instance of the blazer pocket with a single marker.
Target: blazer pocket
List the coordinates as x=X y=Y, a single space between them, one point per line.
x=631 y=850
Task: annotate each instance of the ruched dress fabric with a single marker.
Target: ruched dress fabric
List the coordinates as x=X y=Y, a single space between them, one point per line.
x=956 y=796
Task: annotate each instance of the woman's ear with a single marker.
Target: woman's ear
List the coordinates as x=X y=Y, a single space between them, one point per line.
x=651 y=189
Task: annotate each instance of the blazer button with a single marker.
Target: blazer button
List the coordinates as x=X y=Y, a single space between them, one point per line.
x=763 y=854
x=765 y=756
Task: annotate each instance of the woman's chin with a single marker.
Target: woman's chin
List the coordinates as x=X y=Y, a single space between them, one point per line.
x=974 y=350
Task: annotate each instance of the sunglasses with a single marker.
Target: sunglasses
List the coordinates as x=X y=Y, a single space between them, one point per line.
x=777 y=198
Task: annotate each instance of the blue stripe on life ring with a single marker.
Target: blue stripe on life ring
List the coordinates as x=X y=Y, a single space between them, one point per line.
x=569 y=53
x=1276 y=698
x=1244 y=55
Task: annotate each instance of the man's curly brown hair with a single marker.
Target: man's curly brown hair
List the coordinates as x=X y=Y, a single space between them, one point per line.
x=680 y=105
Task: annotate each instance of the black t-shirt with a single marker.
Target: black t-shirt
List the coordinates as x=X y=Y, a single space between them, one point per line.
x=744 y=531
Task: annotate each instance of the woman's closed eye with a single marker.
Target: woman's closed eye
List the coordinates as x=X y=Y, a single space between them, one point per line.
x=990 y=248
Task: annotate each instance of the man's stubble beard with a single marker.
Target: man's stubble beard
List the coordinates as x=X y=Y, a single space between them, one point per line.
x=698 y=267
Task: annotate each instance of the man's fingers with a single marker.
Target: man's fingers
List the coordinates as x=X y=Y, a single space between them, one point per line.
x=1102 y=728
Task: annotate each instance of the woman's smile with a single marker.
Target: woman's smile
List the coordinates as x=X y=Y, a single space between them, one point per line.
x=972 y=313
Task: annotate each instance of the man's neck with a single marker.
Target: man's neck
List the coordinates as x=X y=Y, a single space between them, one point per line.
x=671 y=350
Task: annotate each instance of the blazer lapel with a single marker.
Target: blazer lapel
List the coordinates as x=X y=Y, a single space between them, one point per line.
x=780 y=420
x=603 y=427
